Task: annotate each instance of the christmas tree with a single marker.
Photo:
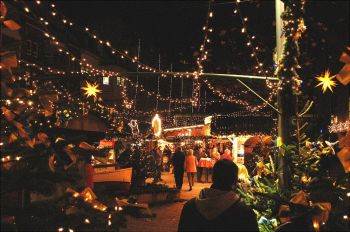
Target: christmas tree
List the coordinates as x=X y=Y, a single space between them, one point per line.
x=40 y=188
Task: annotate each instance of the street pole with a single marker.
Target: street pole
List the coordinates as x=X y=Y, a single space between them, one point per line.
x=284 y=97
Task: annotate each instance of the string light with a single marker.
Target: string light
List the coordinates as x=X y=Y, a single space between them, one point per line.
x=249 y=43
x=336 y=126
x=114 y=51
x=203 y=56
x=188 y=75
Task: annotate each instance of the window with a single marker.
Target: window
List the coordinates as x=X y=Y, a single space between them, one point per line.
x=120 y=81
x=105 y=80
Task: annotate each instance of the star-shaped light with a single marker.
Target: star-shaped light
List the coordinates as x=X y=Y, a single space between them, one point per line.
x=91 y=90
x=326 y=81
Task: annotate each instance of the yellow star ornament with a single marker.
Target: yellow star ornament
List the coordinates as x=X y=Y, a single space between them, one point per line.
x=326 y=81
x=91 y=90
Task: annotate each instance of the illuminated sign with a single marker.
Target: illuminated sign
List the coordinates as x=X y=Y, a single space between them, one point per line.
x=105 y=80
x=157 y=125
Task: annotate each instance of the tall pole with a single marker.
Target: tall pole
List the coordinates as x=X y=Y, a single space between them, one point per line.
x=158 y=83
x=283 y=116
x=137 y=70
x=279 y=27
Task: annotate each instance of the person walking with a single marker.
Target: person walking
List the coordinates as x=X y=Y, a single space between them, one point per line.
x=190 y=167
x=219 y=208
x=178 y=162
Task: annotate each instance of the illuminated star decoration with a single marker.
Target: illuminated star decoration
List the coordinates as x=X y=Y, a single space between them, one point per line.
x=91 y=90
x=326 y=81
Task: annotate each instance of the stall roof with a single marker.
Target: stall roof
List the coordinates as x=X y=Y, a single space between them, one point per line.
x=242 y=124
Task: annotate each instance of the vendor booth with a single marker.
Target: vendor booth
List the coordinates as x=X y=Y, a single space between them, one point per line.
x=238 y=133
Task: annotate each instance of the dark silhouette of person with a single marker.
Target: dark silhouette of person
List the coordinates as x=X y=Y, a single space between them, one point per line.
x=219 y=208
x=178 y=161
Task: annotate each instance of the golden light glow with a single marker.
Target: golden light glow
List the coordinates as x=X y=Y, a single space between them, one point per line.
x=326 y=81
x=91 y=90
x=157 y=125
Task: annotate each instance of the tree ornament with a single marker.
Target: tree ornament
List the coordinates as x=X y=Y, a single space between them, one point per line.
x=326 y=81
x=8 y=114
x=13 y=137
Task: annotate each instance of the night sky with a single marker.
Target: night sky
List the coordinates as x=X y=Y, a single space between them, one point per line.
x=173 y=29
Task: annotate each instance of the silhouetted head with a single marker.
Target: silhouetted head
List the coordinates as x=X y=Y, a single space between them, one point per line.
x=225 y=175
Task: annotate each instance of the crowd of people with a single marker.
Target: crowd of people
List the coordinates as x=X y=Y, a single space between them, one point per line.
x=188 y=161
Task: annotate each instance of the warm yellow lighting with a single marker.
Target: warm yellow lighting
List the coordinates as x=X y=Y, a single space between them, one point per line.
x=157 y=125
x=326 y=81
x=279 y=141
x=91 y=90
x=316 y=225
x=87 y=221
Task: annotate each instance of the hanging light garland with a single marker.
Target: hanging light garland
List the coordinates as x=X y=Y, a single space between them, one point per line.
x=293 y=27
x=336 y=126
x=203 y=56
x=96 y=71
x=255 y=49
x=86 y=30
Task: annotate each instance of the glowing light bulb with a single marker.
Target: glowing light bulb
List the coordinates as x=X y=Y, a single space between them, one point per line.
x=26 y=9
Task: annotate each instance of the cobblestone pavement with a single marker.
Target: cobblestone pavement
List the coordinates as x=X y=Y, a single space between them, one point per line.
x=168 y=214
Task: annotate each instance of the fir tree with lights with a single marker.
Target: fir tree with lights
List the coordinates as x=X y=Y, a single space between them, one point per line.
x=39 y=189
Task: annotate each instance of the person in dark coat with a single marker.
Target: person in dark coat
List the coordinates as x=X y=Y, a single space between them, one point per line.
x=178 y=161
x=219 y=208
